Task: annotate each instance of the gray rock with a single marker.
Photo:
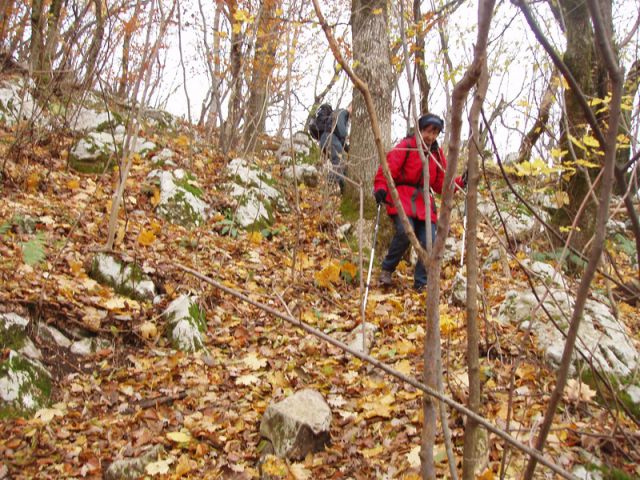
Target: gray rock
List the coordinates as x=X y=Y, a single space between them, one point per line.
x=602 y=338
x=300 y=145
x=343 y=230
x=180 y=199
x=307 y=174
x=16 y=102
x=92 y=153
x=13 y=330
x=186 y=324
x=255 y=197
x=49 y=333
x=354 y=338
x=25 y=386
x=297 y=425
x=86 y=119
x=583 y=474
x=634 y=394
x=164 y=158
x=133 y=468
x=89 y=346
x=128 y=280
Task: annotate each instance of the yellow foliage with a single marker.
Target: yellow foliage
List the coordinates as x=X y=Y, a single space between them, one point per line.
x=146 y=238
x=328 y=275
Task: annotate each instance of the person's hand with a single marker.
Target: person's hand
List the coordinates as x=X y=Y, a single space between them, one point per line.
x=346 y=147
x=465 y=178
x=380 y=196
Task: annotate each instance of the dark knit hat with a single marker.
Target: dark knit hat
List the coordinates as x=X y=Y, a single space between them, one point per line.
x=431 y=119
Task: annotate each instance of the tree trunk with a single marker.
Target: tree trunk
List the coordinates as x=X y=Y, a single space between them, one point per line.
x=264 y=61
x=36 y=47
x=369 y=19
x=471 y=454
x=96 y=44
x=6 y=10
x=229 y=134
x=586 y=66
x=421 y=65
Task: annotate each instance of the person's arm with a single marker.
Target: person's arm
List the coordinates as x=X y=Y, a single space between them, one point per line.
x=342 y=125
x=395 y=158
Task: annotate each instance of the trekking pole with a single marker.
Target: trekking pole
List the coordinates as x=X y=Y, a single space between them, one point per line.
x=373 y=249
x=464 y=230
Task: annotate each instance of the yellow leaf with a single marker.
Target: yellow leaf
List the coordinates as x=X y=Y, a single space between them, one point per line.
x=328 y=275
x=372 y=452
x=350 y=269
x=146 y=238
x=405 y=347
x=73 y=184
x=253 y=362
x=247 y=380
x=486 y=475
x=48 y=414
x=255 y=237
x=377 y=11
x=115 y=303
x=155 y=200
x=179 y=437
x=404 y=367
x=148 y=330
x=299 y=472
x=447 y=324
x=577 y=142
x=413 y=457
x=160 y=467
x=182 y=141
x=590 y=141
x=184 y=465
x=33 y=181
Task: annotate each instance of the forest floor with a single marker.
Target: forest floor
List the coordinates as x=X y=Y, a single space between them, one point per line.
x=205 y=408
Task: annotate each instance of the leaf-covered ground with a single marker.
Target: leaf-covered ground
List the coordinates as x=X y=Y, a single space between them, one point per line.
x=205 y=409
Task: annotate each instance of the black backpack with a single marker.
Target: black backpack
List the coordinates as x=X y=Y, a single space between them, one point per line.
x=321 y=122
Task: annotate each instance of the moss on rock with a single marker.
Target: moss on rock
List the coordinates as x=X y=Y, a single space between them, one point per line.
x=25 y=386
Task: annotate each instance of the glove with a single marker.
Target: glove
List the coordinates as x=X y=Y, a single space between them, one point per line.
x=380 y=196
x=346 y=147
x=465 y=178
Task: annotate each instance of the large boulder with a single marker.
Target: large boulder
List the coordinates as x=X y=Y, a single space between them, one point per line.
x=254 y=194
x=92 y=153
x=128 y=280
x=186 y=324
x=180 y=198
x=86 y=119
x=300 y=145
x=601 y=338
x=25 y=386
x=14 y=335
x=16 y=102
x=298 y=425
x=307 y=174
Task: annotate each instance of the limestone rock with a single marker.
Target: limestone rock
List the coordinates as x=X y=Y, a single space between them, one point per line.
x=49 y=333
x=180 y=198
x=307 y=174
x=92 y=153
x=89 y=346
x=254 y=195
x=25 y=386
x=602 y=338
x=185 y=324
x=133 y=468
x=297 y=425
x=87 y=119
x=301 y=145
x=126 y=280
x=164 y=158
x=14 y=335
x=354 y=338
x=16 y=102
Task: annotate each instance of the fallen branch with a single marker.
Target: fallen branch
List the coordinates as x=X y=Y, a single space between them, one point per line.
x=387 y=369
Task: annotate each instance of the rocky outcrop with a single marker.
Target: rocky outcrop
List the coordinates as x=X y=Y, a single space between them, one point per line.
x=180 y=198
x=128 y=280
x=186 y=324
x=297 y=425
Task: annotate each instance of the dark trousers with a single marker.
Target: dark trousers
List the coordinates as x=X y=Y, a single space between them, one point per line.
x=400 y=243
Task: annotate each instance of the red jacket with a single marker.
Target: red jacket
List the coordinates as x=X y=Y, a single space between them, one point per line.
x=406 y=170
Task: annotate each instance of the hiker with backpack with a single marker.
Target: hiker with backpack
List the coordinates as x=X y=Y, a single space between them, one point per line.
x=331 y=128
x=406 y=169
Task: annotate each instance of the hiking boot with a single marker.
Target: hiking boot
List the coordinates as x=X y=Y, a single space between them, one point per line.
x=385 y=278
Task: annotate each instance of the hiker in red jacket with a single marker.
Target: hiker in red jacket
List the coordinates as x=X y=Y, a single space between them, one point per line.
x=406 y=169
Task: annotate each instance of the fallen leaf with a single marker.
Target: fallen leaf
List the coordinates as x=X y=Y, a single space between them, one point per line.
x=179 y=437
x=146 y=238
x=247 y=380
x=160 y=467
x=47 y=414
x=299 y=472
x=253 y=362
